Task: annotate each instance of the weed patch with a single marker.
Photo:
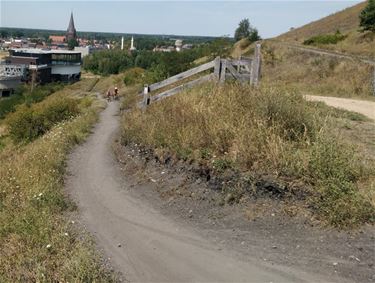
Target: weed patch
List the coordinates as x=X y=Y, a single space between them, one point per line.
x=30 y=122
x=24 y=94
x=267 y=131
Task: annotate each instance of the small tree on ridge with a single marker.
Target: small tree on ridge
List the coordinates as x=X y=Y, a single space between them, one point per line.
x=367 y=17
x=246 y=30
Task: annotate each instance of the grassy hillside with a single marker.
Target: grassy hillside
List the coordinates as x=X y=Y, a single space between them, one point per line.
x=315 y=74
x=38 y=243
x=347 y=22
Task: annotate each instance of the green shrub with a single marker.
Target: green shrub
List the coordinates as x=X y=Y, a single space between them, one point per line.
x=133 y=76
x=325 y=39
x=30 y=122
x=8 y=104
x=23 y=94
x=367 y=17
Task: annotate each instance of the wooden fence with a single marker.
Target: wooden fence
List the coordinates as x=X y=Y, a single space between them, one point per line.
x=245 y=70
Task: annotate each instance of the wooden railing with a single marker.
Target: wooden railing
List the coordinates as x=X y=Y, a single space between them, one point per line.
x=245 y=70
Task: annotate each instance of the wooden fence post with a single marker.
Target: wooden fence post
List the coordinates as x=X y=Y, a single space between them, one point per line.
x=255 y=66
x=146 y=96
x=217 y=68
x=223 y=70
x=239 y=65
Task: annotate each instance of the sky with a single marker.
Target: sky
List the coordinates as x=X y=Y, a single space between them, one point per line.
x=207 y=18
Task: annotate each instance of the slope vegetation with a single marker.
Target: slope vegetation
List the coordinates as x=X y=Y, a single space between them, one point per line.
x=237 y=131
x=38 y=243
x=347 y=22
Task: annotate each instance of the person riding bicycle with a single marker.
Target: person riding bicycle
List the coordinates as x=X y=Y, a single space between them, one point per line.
x=109 y=95
x=115 y=95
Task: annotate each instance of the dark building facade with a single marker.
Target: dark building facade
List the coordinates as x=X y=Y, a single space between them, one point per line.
x=45 y=66
x=71 y=32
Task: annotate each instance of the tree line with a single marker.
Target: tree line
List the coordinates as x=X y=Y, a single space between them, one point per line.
x=159 y=65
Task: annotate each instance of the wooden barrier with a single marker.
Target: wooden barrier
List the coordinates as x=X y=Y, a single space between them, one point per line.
x=245 y=70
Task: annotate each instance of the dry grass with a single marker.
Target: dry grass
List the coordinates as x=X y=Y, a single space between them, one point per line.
x=269 y=131
x=347 y=22
x=316 y=74
x=37 y=242
x=242 y=48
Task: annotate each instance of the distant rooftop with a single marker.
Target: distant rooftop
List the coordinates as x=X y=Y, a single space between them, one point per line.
x=44 y=51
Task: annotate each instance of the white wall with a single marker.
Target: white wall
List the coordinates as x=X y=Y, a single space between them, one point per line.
x=65 y=70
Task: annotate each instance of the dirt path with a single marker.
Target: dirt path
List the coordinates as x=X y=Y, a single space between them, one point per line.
x=364 y=107
x=141 y=242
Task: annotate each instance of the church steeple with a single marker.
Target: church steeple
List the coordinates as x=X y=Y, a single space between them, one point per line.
x=71 y=32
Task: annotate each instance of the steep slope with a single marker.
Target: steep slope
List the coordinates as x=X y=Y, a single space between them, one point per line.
x=347 y=22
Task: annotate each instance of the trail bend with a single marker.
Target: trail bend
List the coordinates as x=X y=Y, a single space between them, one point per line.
x=143 y=244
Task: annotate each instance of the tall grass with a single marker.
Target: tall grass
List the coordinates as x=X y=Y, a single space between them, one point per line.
x=316 y=74
x=37 y=242
x=267 y=131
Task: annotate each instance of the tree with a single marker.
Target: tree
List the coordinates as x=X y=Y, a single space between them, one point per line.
x=4 y=34
x=367 y=17
x=72 y=43
x=246 y=30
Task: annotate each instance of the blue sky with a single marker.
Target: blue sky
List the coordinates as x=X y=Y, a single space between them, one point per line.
x=214 y=18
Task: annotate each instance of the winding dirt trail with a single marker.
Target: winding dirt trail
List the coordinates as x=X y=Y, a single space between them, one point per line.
x=143 y=244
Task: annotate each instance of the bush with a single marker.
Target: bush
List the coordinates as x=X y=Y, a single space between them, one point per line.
x=9 y=104
x=367 y=17
x=24 y=94
x=133 y=76
x=30 y=122
x=325 y=39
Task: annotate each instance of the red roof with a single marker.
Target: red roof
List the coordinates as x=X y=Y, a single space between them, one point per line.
x=57 y=38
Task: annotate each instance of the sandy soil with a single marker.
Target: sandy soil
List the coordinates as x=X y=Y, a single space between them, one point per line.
x=147 y=243
x=364 y=107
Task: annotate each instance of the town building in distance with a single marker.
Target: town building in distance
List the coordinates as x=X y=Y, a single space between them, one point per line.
x=28 y=63
x=178 y=47
x=48 y=65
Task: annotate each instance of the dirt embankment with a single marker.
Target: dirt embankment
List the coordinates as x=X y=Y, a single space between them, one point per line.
x=265 y=226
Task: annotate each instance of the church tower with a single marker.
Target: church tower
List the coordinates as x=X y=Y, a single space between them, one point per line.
x=71 y=32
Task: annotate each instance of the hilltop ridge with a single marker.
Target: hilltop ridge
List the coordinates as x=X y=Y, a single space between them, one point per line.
x=347 y=23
